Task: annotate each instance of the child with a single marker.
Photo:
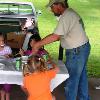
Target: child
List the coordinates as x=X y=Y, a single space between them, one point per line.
x=41 y=52
x=33 y=39
x=37 y=82
x=6 y=52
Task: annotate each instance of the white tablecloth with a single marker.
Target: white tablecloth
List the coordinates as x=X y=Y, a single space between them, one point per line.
x=61 y=76
x=15 y=77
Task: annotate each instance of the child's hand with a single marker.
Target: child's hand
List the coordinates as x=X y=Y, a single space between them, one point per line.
x=25 y=90
x=7 y=55
x=21 y=52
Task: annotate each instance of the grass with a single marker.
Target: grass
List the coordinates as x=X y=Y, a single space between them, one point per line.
x=89 y=10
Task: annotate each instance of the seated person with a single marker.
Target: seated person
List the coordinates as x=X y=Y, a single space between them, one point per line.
x=33 y=39
x=6 y=52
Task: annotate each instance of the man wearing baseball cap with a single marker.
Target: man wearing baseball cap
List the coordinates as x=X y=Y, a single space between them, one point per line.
x=71 y=33
x=51 y=2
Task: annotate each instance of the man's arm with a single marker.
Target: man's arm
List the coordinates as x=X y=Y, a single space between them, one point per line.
x=48 y=39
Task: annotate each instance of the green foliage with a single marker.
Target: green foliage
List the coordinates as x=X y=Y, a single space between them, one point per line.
x=89 y=10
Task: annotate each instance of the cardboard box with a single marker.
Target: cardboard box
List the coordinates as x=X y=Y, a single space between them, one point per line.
x=15 y=40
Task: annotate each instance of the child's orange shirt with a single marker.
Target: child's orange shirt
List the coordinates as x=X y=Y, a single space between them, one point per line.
x=38 y=85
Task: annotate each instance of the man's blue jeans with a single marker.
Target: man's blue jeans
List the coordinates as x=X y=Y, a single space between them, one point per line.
x=77 y=84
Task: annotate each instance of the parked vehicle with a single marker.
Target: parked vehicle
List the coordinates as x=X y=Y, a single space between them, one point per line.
x=17 y=18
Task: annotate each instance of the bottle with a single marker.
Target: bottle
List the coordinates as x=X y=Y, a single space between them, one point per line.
x=45 y=57
x=18 y=63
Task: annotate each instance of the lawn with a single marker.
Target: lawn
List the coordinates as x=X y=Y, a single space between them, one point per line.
x=89 y=10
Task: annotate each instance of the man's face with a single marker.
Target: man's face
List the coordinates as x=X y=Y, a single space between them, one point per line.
x=56 y=9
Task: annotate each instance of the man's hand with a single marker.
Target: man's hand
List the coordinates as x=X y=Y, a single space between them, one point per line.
x=36 y=47
x=48 y=39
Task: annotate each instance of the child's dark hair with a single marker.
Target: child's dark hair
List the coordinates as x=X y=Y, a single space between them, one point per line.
x=2 y=35
x=35 y=37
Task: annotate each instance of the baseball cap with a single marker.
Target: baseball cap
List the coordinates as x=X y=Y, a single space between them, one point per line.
x=53 y=1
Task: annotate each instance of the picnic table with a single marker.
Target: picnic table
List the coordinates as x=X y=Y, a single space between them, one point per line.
x=9 y=74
